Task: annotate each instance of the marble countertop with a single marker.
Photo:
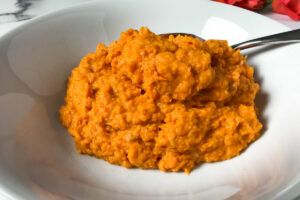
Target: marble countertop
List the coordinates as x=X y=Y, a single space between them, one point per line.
x=16 y=12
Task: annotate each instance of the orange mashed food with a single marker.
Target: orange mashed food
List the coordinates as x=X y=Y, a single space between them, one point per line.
x=171 y=103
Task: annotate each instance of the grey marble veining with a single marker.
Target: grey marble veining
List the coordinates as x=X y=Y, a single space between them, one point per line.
x=18 y=10
x=14 y=10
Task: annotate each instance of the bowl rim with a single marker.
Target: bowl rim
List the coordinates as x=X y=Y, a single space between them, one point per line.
x=6 y=191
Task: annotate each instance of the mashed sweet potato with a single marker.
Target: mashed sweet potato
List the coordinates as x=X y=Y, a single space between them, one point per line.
x=170 y=103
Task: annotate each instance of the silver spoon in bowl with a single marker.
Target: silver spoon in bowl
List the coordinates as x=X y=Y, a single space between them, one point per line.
x=279 y=38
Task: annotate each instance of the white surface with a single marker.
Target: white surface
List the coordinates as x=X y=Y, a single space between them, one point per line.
x=9 y=6
x=43 y=6
x=37 y=156
x=4 y=28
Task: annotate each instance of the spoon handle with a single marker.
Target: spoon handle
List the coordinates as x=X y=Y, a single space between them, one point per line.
x=279 y=38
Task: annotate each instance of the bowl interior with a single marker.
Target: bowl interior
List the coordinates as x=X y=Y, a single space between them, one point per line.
x=37 y=156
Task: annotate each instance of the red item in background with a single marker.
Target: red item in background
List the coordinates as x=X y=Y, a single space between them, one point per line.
x=287 y=7
x=248 y=4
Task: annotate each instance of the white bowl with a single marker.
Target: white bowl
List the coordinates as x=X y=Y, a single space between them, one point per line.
x=37 y=156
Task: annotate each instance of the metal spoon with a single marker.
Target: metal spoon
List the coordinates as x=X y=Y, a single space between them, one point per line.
x=279 y=38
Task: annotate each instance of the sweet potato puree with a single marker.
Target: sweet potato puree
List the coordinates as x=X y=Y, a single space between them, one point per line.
x=171 y=103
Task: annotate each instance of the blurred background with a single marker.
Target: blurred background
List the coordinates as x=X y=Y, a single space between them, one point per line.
x=16 y=12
